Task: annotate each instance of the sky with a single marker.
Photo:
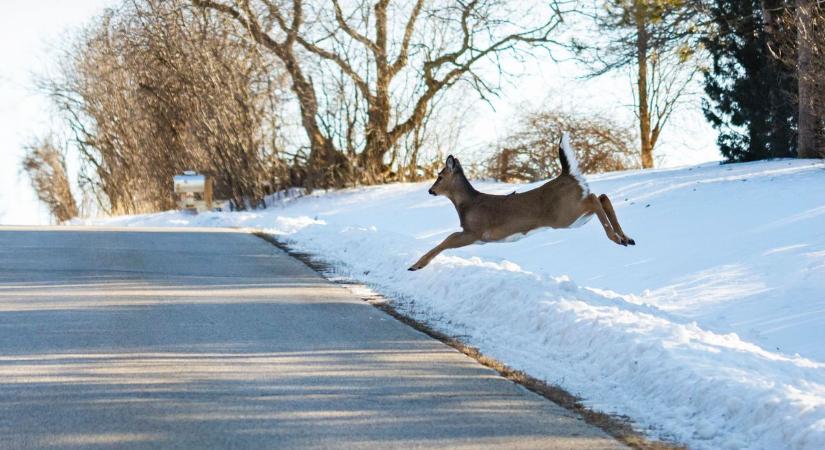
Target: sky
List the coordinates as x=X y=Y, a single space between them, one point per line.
x=31 y=30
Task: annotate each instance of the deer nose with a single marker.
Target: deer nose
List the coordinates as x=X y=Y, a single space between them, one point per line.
x=432 y=192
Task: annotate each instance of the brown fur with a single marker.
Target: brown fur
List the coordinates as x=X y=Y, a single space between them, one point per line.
x=559 y=203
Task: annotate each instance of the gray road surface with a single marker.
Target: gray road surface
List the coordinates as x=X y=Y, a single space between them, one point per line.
x=210 y=339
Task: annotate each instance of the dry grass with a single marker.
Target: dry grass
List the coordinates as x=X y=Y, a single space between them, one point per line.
x=619 y=427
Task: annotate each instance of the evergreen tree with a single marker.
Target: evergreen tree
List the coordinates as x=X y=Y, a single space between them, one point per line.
x=750 y=94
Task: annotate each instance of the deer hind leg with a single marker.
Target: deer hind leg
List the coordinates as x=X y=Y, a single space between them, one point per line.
x=611 y=216
x=594 y=205
x=455 y=240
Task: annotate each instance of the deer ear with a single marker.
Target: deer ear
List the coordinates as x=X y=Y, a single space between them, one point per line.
x=451 y=163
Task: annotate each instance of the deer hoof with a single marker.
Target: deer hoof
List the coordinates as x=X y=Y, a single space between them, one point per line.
x=631 y=241
x=413 y=269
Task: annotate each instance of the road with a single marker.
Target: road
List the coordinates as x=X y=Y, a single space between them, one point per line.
x=209 y=339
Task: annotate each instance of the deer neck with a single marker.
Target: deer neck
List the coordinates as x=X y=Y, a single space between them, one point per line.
x=463 y=195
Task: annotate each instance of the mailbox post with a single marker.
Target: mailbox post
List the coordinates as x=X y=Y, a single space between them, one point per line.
x=193 y=191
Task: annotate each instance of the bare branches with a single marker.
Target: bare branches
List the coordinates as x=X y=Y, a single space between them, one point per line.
x=153 y=89
x=368 y=51
x=461 y=60
x=324 y=157
x=657 y=39
x=45 y=164
x=530 y=152
x=339 y=18
x=403 y=54
x=341 y=62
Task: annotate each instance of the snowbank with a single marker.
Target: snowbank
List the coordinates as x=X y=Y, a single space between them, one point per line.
x=710 y=331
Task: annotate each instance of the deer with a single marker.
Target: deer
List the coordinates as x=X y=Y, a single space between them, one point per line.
x=563 y=202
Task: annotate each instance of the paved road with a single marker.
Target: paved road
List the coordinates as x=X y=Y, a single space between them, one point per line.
x=215 y=339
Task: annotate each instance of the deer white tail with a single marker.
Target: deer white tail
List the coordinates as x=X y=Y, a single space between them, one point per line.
x=569 y=163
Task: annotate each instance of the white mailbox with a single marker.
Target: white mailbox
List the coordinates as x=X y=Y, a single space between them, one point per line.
x=193 y=191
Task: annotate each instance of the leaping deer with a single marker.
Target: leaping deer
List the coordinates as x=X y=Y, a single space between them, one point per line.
x=563 y=202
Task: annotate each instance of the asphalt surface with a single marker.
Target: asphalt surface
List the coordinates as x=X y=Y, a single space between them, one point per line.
x=210 y=339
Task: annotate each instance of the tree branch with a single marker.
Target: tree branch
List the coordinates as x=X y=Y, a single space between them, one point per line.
x=403 y=54
x=340 y=62
x=339 y=17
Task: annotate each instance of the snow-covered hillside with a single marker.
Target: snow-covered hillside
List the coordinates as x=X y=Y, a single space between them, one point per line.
x=710 y=331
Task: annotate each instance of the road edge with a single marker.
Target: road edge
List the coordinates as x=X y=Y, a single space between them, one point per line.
x=619 y=427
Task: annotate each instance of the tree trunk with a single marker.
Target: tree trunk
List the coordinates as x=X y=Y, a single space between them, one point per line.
x=378 y=117
x=808 y=133
x=641 y=83
x=377 y=143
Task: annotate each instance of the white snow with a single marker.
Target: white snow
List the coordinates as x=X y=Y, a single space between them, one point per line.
x=710 y=331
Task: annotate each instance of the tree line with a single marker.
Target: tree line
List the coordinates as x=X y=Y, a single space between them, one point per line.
x=765 y=88
x=265 y=95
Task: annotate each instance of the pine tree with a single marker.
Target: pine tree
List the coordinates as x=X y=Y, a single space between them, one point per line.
x=750 y=94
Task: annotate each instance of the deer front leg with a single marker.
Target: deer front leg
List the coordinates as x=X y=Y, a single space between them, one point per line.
x=455 y=240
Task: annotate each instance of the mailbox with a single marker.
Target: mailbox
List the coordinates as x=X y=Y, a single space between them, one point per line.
x=193 y=191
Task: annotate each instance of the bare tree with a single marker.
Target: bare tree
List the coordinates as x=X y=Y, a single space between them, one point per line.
x=368 y=50
x=420 y=154
x=45 y=164
x=530 y=152
x=155 y=87
x=656 y=37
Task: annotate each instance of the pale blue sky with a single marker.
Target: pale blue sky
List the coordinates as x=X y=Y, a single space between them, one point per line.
x=31 y=29
x=28 y=29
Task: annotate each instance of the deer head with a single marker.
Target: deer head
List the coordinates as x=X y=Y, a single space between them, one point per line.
x=450 y=179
